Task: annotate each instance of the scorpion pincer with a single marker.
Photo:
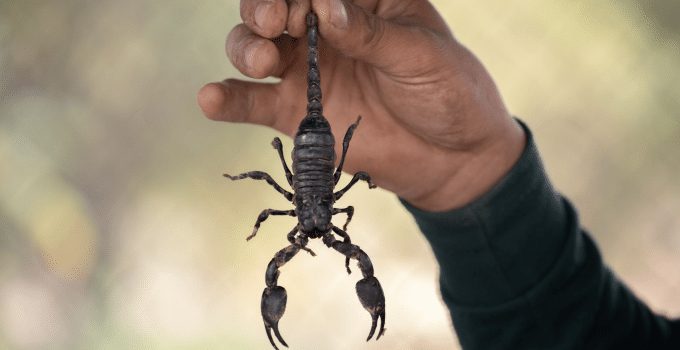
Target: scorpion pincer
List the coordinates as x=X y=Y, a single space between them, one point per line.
x=313 y=180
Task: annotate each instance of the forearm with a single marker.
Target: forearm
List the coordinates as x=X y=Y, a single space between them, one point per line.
x=518 y=272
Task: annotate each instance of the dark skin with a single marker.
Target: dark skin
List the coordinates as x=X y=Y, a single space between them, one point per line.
x=434 y=131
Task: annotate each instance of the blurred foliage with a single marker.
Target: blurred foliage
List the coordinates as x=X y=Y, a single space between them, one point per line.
x=117 y=230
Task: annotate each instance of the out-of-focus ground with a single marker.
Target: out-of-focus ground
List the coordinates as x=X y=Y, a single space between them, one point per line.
x=117 y=230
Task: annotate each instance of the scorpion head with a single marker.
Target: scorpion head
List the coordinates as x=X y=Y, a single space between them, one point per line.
x=314 y=214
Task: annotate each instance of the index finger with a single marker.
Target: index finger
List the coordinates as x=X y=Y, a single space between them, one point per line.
x=266 y=18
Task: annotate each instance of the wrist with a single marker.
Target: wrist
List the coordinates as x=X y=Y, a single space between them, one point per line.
x=474 y=173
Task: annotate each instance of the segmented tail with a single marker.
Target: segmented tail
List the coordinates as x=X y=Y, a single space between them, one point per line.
x=314 y=108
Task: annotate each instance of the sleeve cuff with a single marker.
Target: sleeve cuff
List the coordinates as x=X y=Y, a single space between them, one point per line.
x=500 y=245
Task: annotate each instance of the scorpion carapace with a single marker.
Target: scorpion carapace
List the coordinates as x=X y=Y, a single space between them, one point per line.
x=313 y=180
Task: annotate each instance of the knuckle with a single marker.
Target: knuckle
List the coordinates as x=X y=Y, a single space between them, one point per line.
x=375 y=32
x=369 y=38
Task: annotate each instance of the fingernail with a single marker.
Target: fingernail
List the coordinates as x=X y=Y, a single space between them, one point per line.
x=338 y=14
x=261 y=14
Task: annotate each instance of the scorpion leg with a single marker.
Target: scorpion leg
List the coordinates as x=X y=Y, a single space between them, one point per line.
x=361 y=175
x=260 y=175
x=264 y=215
x=274 y=297
x=276 y=143
x=345 y=146
x=350 y=212
x=368 y=289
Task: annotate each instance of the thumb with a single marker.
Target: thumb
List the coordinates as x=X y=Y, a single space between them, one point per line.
x=384 y=44
x=240 y=101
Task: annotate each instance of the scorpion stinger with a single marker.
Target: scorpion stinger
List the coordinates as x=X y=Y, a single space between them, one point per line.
x=313 y=180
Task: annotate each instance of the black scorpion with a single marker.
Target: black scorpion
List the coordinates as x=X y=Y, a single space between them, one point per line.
x=313 y=182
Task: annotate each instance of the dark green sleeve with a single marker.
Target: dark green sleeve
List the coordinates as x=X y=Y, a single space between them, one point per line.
x=518 y=272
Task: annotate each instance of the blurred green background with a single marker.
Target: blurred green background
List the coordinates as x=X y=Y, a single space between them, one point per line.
x=117 y=230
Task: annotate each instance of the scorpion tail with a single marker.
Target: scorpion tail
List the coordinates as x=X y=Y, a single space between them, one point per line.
x=314 y=107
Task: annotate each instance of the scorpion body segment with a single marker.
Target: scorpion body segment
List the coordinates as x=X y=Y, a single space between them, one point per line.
x=313 y=180
x=313 y=165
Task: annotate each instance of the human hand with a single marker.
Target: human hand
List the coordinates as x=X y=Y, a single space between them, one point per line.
x=434 y=130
